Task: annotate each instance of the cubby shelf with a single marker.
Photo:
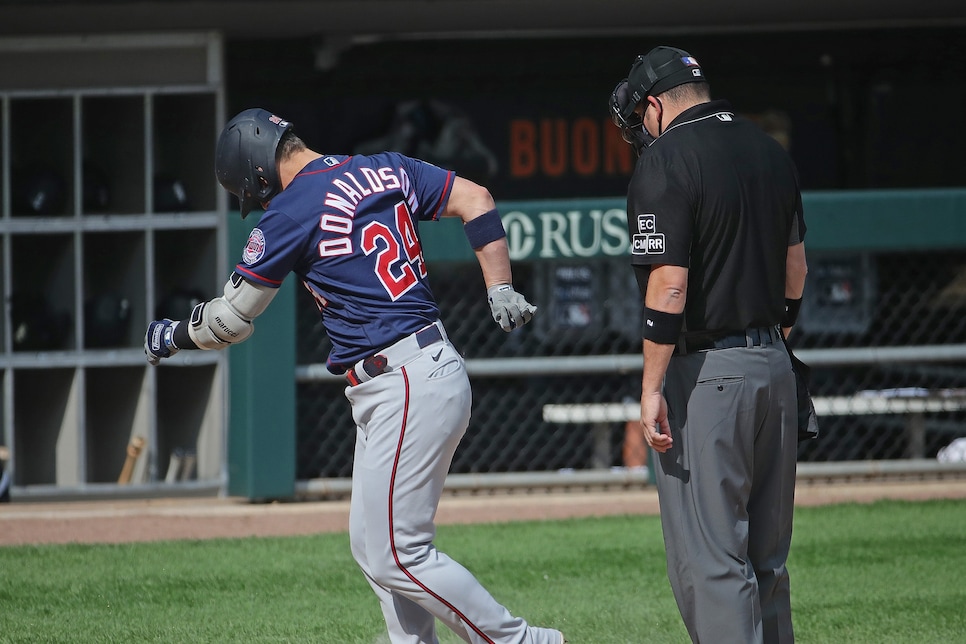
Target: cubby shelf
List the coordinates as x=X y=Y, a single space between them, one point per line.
x=110 y=217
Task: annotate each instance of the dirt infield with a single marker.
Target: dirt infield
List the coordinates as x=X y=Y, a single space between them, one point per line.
x=206 y=518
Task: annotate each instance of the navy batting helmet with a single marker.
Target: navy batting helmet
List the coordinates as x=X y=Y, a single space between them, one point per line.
x=245 y=162
x=653 y=73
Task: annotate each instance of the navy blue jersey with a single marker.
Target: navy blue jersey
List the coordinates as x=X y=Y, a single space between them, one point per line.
x=348 y=227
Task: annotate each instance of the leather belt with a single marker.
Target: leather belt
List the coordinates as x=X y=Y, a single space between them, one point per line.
x=754 y=337
x=396 y=354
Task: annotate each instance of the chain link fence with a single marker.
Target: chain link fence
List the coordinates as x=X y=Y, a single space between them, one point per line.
x=884 y=333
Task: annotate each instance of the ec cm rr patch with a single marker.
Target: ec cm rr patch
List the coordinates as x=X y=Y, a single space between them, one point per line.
x=647 y=241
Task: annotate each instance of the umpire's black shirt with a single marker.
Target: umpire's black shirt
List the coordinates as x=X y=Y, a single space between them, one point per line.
x=717 y=195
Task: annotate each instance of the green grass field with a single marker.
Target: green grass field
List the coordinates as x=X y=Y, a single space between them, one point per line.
x=884 y=572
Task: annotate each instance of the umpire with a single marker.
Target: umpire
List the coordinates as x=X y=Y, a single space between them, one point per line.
x=715 y=218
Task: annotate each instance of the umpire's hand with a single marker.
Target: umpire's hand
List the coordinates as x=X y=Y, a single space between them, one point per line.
x=654 y=423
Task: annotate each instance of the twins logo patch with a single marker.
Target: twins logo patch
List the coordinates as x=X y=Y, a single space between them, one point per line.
x=647 y=241
x=255 y=248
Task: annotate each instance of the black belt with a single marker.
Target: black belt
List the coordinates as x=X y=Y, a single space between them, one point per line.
x=378 y=364
x=755 y=337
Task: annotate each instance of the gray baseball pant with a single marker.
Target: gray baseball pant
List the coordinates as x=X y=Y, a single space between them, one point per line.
x=409 y=423
x=727 y=489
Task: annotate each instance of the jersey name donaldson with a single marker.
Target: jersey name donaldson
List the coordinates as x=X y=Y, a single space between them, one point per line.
x=647 y=241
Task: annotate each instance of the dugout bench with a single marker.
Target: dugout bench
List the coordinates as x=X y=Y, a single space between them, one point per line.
x=914 y=403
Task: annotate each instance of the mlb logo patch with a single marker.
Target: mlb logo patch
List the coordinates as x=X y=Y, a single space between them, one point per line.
x=689 y=61
x=255 y=248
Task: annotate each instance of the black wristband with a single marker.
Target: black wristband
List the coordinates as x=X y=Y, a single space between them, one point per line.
x=791 y=312
x=661 y=327
x=181 y=338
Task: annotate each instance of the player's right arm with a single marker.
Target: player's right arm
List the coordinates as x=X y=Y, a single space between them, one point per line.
x=216 y=324
x=664 y=300
x=474 y=205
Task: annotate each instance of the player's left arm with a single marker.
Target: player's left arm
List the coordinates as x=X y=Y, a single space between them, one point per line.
x=796 y=268
x=216 y=324
x=472 y=202
x=474 y=205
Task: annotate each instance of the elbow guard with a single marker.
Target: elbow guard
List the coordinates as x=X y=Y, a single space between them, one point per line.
x=228 y=319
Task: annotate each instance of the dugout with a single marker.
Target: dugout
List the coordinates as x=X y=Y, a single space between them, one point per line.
x=525 y=109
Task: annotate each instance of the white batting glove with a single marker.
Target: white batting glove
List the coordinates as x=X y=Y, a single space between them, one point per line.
x=509 y=308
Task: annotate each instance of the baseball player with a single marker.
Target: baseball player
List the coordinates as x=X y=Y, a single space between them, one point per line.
x=347 y=226
x=717 y=227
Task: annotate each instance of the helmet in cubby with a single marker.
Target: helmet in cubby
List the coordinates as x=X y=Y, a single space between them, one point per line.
x=178 y=303
x=37 y=326
x=107 y=320
x=38 y=190
x=96 y=188
x=170 y=194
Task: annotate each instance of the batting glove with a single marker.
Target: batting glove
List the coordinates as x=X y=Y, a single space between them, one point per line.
x=159 y=340
x=509 y=308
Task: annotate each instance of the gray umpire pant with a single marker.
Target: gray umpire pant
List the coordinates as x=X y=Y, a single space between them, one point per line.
x=727 y=490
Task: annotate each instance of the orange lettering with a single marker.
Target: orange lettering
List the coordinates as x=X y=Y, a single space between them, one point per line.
x=553 y=148
x=617 y=153
x=586 y=146
x=523 y=155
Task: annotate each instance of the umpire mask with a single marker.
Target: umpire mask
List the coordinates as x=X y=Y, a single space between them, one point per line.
x=652 y=74
x=624 y=117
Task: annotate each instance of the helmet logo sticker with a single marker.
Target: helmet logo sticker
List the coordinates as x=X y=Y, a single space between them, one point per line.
x=255 y=248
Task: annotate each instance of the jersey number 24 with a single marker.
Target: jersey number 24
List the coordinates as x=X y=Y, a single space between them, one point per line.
x=397 y=251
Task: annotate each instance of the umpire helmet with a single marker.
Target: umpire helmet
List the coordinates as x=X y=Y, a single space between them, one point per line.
x=653 y=73
x=245 y=163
